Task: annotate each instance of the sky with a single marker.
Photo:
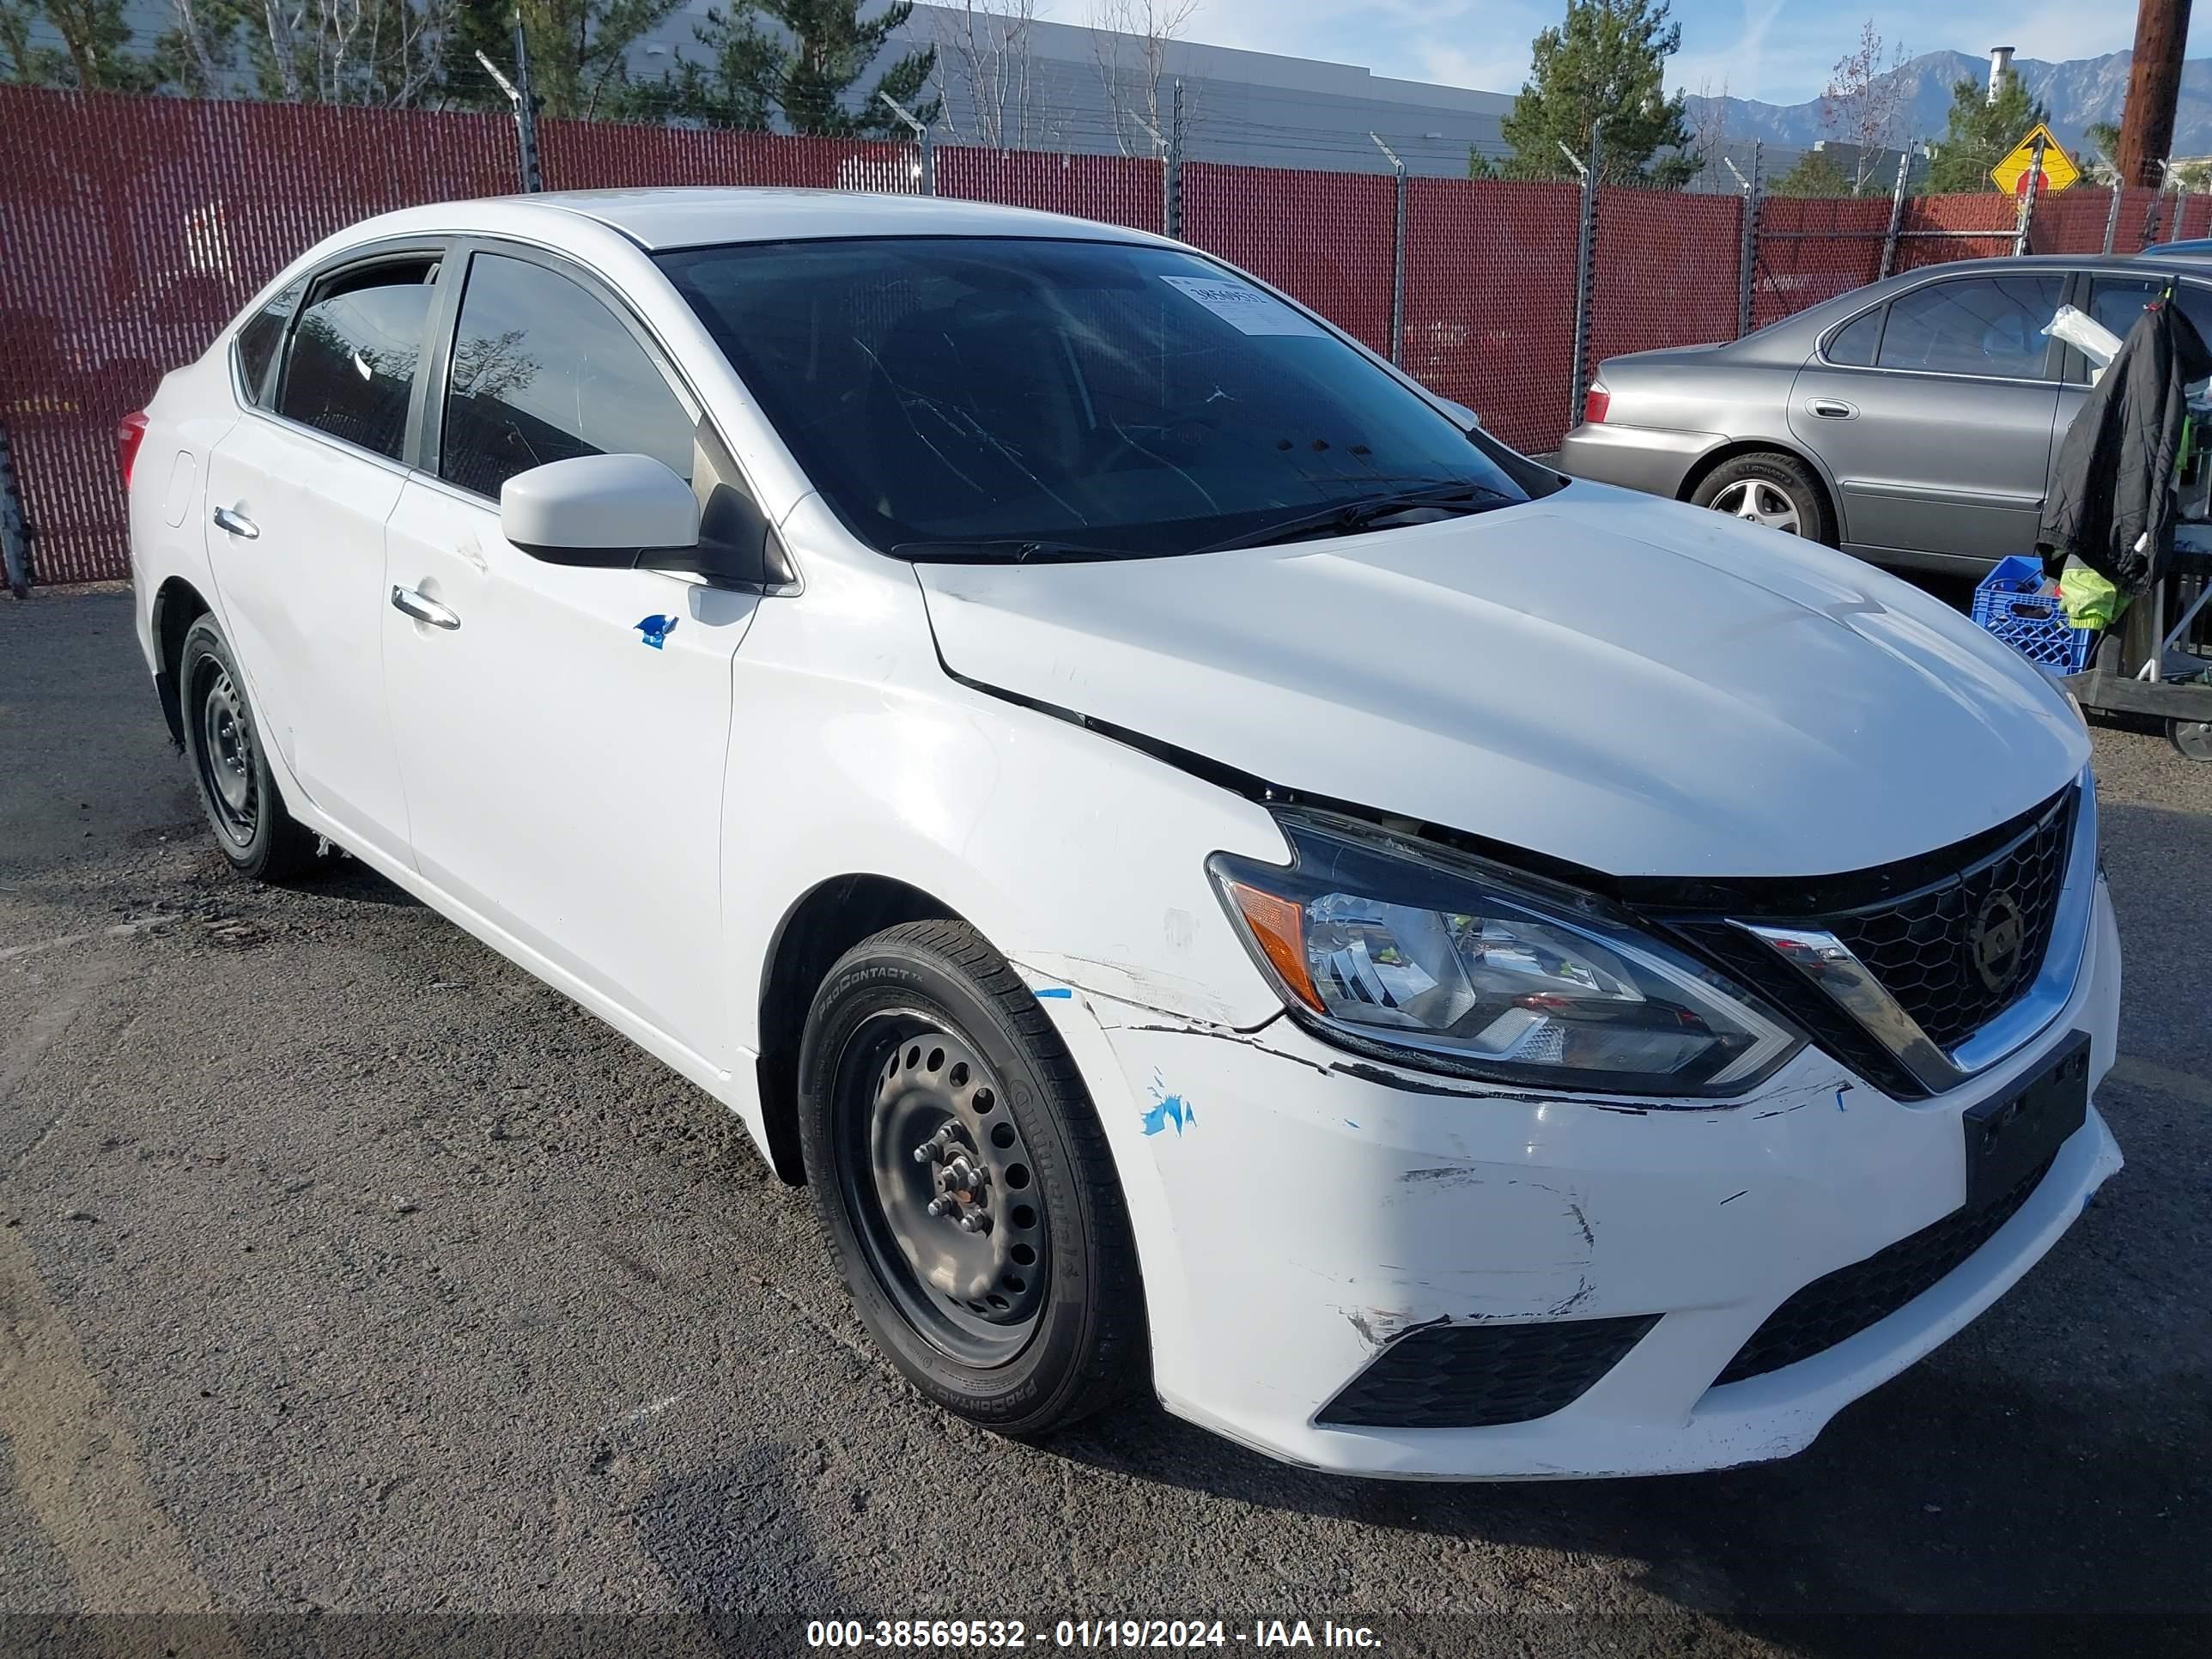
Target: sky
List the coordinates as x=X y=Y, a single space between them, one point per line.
x=1778 y=50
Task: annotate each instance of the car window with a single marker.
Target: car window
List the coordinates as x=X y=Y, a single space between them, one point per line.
x=1990 y=325
x=2117 y=302
x=1852 y=346
x=260 y=337
x=350 y=369
x=543 y=372
x=1117 y=399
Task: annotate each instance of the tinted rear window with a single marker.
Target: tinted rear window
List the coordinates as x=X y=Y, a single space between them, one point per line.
x=351 y=368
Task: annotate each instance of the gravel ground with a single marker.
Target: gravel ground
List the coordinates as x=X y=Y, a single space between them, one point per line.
x=347 y=1272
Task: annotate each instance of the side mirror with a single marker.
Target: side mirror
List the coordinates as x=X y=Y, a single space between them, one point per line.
x=1469 y=420
x=598 y=510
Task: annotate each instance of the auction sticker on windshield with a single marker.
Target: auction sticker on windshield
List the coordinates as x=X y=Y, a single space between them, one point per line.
x=1248 y=309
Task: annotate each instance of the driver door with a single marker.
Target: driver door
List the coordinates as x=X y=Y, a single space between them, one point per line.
x=563 y=732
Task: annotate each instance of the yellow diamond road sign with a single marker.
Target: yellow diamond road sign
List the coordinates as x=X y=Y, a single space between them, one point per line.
x=2059 y=168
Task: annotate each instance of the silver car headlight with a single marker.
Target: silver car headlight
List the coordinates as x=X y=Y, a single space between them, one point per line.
x=1449 y=963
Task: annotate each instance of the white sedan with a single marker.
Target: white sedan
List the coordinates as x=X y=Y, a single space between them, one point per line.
x=1223 y=879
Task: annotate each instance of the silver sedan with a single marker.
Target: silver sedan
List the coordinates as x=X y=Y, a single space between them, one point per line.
x=1913 y=422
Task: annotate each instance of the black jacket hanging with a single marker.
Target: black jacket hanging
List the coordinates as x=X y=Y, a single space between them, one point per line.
x=2113 y=483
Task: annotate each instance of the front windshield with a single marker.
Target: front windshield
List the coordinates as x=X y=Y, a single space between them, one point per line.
x=974 y=397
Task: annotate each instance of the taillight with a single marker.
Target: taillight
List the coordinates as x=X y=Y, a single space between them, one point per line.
x=129 y=433
x=1595 y=402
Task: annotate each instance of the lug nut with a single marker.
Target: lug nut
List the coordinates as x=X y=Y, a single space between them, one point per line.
x=944 y=1204
x=976 y=1221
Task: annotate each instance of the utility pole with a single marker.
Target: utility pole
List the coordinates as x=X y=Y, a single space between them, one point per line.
x=2154 y=89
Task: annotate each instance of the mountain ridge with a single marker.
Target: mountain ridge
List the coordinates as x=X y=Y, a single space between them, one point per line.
x=2079 y=92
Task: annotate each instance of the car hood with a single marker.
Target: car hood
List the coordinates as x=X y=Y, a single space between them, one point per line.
x=1632 y=685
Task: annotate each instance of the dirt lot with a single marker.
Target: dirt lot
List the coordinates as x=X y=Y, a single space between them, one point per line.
x=344 y=1271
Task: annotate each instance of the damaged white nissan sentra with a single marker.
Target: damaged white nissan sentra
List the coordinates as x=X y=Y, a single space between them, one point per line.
x=1218 y=875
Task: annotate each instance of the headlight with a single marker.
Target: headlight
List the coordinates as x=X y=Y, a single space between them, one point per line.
x=1452 y=964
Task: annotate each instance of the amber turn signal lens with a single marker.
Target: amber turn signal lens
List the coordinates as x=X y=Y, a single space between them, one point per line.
x=1278 y=925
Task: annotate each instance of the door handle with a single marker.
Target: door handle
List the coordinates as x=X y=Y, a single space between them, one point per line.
x=231 y=521
x=1831 y=409
x=424 y=609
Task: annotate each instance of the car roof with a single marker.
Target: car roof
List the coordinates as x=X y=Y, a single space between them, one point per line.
x=698 y=216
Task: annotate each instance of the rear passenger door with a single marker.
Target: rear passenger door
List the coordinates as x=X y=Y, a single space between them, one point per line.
x=1934 y=414
x=298 y=493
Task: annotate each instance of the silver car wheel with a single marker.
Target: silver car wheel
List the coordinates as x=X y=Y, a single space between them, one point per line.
x=1761 y=502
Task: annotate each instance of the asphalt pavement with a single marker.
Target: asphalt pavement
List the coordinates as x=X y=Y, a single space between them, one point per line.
x=357 y=1292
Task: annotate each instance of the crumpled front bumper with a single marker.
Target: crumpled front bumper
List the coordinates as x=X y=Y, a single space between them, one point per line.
x=1298 y=1209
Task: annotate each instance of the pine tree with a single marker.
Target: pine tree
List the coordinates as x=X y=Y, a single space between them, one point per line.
x=1982 y=131
x=95 y=52
x=1815 y=175
x=1607 y=58
x=807 y=67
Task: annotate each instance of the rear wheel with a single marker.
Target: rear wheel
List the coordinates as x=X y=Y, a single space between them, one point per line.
x=1770 y=488
x=222 y=740
x=2192 y=738
x=965 y=1182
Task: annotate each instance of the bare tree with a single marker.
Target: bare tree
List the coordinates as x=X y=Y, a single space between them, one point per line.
x=1709 y=135
x=1129 y=42
x=384 y=53
x=983 y=51
x=1864 y=98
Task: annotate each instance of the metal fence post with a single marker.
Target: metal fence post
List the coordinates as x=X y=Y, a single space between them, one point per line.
x=15 y=529
x=2112 y=215
x=1171 y=172
x=1585 y=272
x=1746 y=252
x=1896 y=215
x=526 y=109
x=1397 y=258
x=922 y=140
x=2033 y=183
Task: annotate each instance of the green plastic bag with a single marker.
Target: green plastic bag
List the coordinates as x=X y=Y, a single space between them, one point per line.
x=2087 y=598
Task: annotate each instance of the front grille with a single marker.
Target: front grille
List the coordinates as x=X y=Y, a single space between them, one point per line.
x=1835 y=1308
x=1474 y=1376
x=1921 y=947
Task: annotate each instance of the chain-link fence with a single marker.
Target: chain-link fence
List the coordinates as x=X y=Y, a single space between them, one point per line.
x=133 y=228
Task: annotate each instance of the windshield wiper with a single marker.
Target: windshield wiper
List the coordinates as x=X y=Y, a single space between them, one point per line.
x=1002 y=549
x=1349 y=518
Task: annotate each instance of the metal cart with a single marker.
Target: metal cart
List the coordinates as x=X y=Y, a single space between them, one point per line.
x=2156 y=661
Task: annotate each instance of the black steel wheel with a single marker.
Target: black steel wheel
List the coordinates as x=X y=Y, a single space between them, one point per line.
x=256 y=833
x=2192 y=738
x=965 y=1183
x=941 y=1185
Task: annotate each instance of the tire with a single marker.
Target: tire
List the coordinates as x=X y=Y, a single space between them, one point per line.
x=2192 y=739
x=922 y=1037
x=223 y=741
x=1781 y=487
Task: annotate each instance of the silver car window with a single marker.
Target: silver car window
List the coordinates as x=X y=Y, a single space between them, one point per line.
x=1982 y=326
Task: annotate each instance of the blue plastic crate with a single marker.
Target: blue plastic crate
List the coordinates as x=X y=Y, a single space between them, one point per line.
x=2012 y=605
